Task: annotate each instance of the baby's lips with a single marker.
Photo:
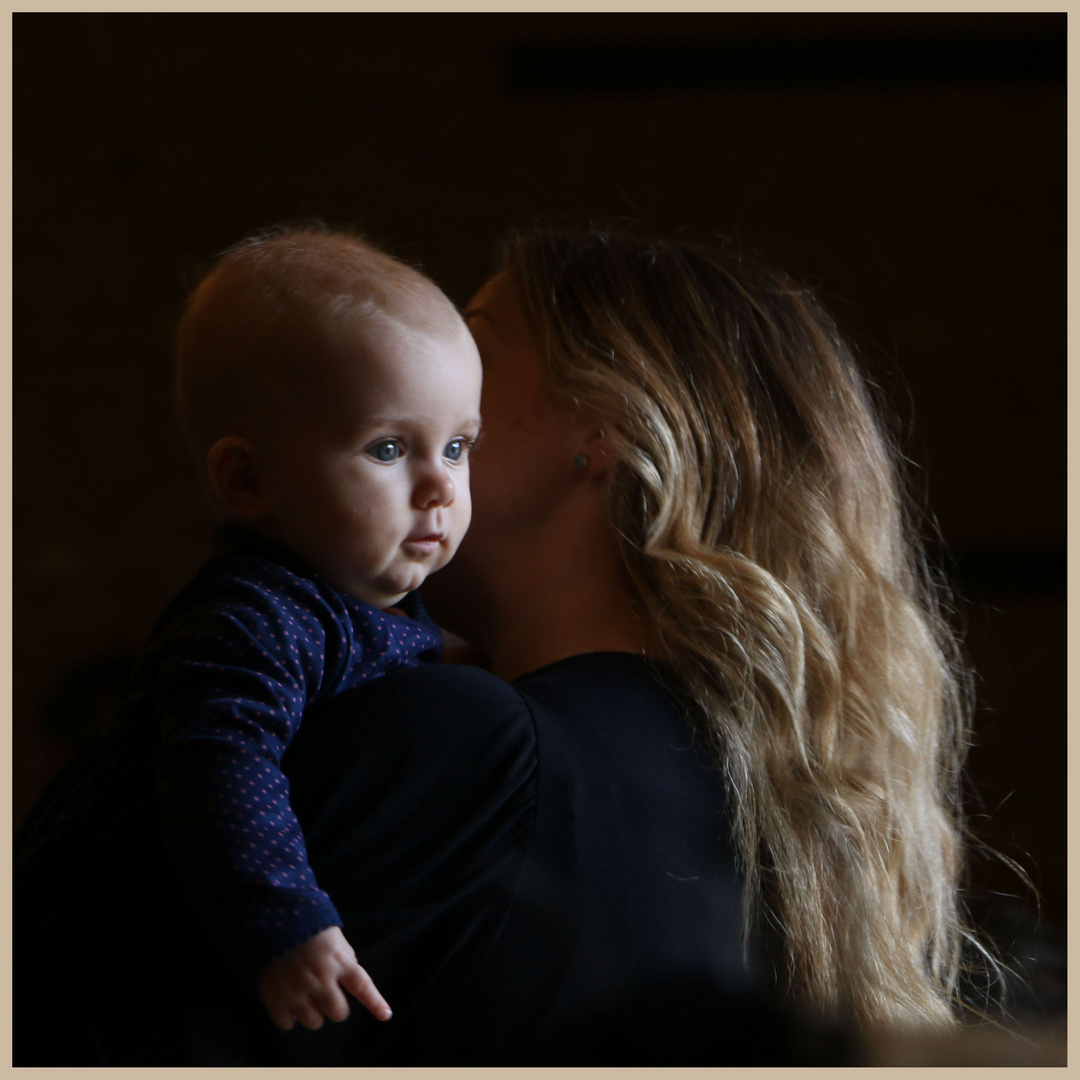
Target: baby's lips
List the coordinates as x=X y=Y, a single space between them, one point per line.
x=428 y=538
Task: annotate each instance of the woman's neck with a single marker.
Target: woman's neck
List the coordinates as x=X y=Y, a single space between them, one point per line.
x=558 y=628
x=560 y=600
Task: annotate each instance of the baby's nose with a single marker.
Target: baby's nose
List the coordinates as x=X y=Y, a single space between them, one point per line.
x=435 y=487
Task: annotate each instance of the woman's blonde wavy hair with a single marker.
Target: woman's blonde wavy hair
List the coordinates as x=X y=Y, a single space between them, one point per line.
x=762 y=521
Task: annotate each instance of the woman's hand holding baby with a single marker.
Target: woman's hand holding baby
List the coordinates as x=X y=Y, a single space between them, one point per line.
x=306 y=983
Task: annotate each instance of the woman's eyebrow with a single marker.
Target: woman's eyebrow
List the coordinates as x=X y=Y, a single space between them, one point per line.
x=472 y=312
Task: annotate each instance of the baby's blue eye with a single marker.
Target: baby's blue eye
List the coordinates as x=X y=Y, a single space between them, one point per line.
x=387 y=450
x=454 y=449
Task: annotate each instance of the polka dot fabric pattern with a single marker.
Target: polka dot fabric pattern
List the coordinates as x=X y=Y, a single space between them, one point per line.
x=221 y=689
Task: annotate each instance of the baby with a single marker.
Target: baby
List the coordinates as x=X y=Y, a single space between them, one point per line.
x=330 y=395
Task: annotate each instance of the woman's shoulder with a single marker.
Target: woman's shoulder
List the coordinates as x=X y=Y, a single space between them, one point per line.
x=458 y=704
x=595 y=672
x=628 y=695
x=451 y=730
x=429 y=726
x=413 y=789
x=457 y=699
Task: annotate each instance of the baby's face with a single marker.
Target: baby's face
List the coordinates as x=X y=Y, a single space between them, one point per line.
x=370 y=483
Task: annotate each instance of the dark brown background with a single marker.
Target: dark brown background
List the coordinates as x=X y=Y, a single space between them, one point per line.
x=911 y=165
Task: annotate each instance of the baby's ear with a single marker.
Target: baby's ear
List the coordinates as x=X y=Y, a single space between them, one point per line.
x=235 y=477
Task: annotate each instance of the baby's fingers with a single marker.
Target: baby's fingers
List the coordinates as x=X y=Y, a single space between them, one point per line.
x=309 y=1014
x=358 y=982
x=281 y=1015
x=332 y=1003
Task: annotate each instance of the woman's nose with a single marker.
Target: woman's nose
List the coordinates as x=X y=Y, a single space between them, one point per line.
x=435 y=487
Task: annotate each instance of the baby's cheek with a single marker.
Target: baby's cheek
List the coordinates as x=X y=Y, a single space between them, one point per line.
x=461 y=518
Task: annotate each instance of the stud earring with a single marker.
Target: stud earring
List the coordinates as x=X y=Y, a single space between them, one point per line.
x=581 y=463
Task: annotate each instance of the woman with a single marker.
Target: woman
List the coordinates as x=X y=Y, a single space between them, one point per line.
x=737 y=514
x=717 y=752
x=682 y=462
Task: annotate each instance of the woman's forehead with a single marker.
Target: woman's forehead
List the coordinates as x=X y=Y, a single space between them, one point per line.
x=497 y=304
x=486 y=296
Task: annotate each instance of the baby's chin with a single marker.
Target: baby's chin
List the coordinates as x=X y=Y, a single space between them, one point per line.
x=393 y=584
x=391 y=590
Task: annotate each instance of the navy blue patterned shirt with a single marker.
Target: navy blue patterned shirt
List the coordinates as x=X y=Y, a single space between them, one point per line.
x=214 y=701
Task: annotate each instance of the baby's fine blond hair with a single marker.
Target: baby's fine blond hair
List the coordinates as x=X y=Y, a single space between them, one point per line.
x=251 y=331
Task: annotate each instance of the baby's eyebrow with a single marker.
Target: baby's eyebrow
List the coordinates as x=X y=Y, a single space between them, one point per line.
x=386 y=421
x=470 y=313
x=403 y=422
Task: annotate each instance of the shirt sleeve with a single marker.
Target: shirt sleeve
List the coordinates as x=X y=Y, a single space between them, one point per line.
x=235 y=679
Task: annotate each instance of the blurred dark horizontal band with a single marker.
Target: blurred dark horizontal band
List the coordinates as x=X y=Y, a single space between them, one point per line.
x=992 y=572
x=608 y=66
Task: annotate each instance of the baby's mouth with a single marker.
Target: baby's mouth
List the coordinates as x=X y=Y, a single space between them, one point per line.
x=429 y=540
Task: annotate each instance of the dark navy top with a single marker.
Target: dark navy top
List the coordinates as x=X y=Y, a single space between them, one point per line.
x=227 y=675
x=537 y=873
x=545 y=862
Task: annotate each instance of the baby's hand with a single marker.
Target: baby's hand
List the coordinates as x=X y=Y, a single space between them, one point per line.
x=305 y=983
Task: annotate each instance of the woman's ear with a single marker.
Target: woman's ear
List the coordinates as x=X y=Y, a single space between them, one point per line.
x=593 y=455
x=236 y=479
